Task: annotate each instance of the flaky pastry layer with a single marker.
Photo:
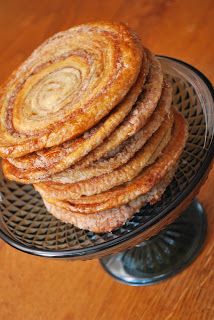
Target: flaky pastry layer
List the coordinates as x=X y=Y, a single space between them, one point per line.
x=67 y=85
x=138 y=186
x=123 y=174
x=41 y=164
x=108 y=220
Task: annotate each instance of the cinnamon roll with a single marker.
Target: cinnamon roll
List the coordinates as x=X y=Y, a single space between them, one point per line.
x=67 y=85
x=138 y=116
x=138 y=186
x=124 y=152
x=37 y=174
x=117 y=177
x=87 y=119
x=109 y=220
x=39 y=165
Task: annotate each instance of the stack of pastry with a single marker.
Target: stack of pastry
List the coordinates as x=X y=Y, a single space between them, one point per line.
x=87 y=119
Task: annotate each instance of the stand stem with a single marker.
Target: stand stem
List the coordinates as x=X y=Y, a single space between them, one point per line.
x=163 y=255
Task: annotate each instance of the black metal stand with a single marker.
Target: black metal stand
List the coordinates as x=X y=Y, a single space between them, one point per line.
x=165 y=254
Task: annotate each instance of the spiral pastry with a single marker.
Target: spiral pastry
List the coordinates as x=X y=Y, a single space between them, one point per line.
x=114 y=178
x=111 y=219
x=41 y=164
x=140 y=185
x=138 y=116
x=87 y=119
x=67 y=85
x=124 y=152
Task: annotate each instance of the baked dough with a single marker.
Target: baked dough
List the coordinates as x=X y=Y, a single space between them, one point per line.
x=125 y=151
x=41 y=164
x=67 y=85
x=142 y=184
x=109 y=220
x=114 y=178
x=87 y=119
x=138 y=116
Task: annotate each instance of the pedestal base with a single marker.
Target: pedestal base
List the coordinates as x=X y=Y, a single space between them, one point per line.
x=165 y=254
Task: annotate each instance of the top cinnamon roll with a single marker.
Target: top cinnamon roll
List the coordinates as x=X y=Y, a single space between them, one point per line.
x=67 y=85
x=87 y=119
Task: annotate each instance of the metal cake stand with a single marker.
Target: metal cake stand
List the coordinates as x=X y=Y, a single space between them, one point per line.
x=157 y=242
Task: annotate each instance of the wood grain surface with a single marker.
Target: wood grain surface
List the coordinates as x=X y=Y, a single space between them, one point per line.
x=37 y=288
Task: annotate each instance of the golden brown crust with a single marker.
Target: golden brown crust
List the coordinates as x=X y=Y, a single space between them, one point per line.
x=112 y=179
x=136 y=119
x=87 y=119
x=108 y=220
x=141 y=185
x=39 y=165
x=138 y=116
x=124 y=152
x=67 y=85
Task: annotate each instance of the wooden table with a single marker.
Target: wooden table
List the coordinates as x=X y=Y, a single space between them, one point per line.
x=35 y=288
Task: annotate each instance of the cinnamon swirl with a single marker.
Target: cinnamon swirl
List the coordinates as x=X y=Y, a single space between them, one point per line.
x=67 y=85
x=87 y=119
